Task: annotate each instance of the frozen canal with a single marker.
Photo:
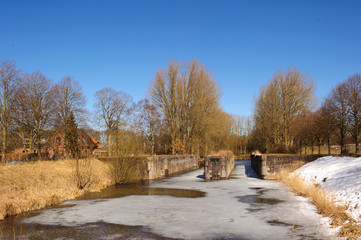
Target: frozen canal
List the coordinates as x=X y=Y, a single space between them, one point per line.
x=242 y=207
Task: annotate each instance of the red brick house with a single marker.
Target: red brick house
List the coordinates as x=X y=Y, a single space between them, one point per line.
x=54 y=147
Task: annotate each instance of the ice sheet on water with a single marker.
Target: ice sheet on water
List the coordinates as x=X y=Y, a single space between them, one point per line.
x=219 y=214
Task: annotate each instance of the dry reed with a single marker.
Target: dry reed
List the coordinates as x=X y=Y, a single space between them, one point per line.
x=325 y=204
x=31 y=186
x=222 y=153
x=129 y=169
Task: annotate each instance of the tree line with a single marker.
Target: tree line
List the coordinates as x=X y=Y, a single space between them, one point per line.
x=30 y=104
x=180 y=115
x=286 y=118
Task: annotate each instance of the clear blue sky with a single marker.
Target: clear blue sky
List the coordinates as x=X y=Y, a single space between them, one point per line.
x=121 y=44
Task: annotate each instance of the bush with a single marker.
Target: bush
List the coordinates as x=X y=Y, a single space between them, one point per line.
x=280 y=149
x=127 y=169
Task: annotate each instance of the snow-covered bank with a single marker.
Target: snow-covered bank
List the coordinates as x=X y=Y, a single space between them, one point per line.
x=339 y=176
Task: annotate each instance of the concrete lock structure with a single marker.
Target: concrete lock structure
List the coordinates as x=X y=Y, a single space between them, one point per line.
x=268 y=165
x=163 y=166
x=218 y=167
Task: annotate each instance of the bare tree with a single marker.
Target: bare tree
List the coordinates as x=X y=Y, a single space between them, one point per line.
x=267 y=117
x=286 y=95
x=163 y=92
x=353 y=84
x=317 y=126
x=202 y=116
x=22 y=124
x=68 y=99
x=189 y=100
x=336 y=104
x=148 y=120
x=9 y=76
x=35 y=100
x=240 y=132
x=327 y=124
x=304 y=129
x=111 y=107
x=297 y=130
x=297 y=95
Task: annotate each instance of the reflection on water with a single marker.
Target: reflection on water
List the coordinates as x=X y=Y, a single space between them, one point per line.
x=98 y=230
x=134 y=189
x=63 y=206
x=12 y=228
x=257 y=199
x=280 y=223
x=12 y=225
x=253 y=209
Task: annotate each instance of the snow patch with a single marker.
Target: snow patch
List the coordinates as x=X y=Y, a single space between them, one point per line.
x=340 y=176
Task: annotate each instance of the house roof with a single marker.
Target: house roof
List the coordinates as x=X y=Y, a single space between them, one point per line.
x=96 y=143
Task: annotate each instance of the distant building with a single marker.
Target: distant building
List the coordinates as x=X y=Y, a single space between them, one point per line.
x=54 y=147
x=99 y=151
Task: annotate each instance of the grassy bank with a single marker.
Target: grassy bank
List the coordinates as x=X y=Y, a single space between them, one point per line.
x=325 y=204
x=31 y=186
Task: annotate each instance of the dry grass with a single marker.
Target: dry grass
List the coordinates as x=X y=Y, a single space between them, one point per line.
x=285 y=170
x=324 y=203
x=31 y=186
x=222 y=153
x=129 y=169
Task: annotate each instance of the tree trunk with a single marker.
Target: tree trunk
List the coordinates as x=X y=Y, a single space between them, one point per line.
x=356 y=144
x=343 y=134
x=173 y=141
x=328 y=146
x=109 y=143
x=153 y=143
x=3 y=151
x=116 y=143
x=31 y=143
x=66 y=148
x=22 y=137
x=305 y=149
x=39 y=152
x=38 y=140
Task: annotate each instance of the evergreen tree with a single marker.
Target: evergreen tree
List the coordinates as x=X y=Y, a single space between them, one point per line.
x=72 y=137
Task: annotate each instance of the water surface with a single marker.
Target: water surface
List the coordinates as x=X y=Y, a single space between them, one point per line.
x=183 y=207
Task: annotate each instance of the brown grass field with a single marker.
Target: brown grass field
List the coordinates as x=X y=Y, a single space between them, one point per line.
x=326 y=206
x=32 y=186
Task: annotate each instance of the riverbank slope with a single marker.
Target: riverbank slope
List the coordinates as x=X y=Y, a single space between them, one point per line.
x=32 y=186
x=340 y=177
x=334 y=186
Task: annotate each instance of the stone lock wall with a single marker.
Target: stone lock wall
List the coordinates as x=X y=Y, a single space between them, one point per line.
x=163 y=166
x=218 y=167
x=267 y=166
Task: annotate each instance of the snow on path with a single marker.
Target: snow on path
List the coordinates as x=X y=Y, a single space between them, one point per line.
x=228 y=210
x=340 y=176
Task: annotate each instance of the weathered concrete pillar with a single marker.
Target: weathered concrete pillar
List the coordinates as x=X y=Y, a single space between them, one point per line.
x=162 y=166
x=218 y=167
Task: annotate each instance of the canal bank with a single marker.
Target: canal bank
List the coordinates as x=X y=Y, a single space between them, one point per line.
x=35 y=185
x=242 y=207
